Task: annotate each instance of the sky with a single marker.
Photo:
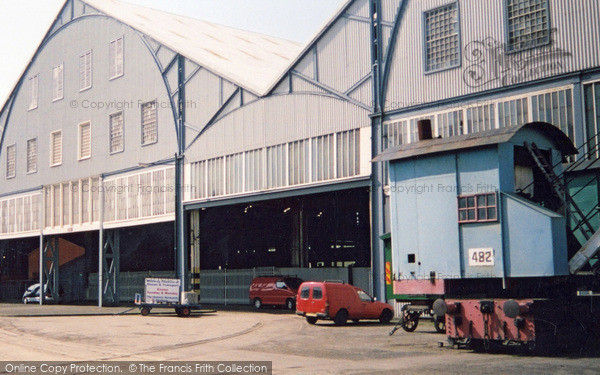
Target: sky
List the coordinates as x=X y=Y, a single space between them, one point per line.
x=23 y=23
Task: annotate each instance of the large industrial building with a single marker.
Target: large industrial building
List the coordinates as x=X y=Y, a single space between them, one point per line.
x=164 y=145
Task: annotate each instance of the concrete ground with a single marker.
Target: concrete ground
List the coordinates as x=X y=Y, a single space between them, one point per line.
x=86 y=333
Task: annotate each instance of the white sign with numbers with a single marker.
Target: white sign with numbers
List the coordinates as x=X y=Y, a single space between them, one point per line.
x=481 y=257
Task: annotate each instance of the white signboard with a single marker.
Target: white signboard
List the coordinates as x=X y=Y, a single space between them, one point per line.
x=481 y=257
x=162 y=290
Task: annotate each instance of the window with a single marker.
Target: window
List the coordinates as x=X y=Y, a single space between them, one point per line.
x=477 y=208
x=513 y=112
x=56 y=148
x=33 y=91
x=11 y=161
x=592 y=117
x=528 y=24
x=323 y=158
x=215 y=177
x=116 y=132
x=85 y=71
x=348 y=153
x=149 y=124
x=317 y=292
x=276 y=166
x=255 y=161
x=32 y=155
x=442 y=38
x=234 y=165
x=450 y=124
x=116 y=58
x=298 y=162
x=480 y=118
x=58 y=83
x=305 y=292
x=555 y=108
x=395 y=133
x=85 y=141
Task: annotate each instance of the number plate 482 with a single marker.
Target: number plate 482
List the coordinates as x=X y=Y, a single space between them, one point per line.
x=481 y=257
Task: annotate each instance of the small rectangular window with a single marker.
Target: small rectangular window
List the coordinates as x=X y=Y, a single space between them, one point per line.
x=317 y=292
x=305 y=292
x=56 y=148
x=85 y=141
x=58 y=83
x=528 y=24
x=85 y=71
x=442 y=38
x=32 y=155
x=116 y=132
x=11 y=161
x=116 y=58
x=33 y=91
x=149 y=123
x=477 y=208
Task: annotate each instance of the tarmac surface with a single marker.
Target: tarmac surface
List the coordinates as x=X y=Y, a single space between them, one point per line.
x=90 y=333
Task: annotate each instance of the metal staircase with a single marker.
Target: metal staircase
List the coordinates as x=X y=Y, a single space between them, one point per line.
x=589 y=253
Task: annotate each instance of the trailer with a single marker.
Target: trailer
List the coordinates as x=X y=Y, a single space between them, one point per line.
x=487 y=222
x=165 y=293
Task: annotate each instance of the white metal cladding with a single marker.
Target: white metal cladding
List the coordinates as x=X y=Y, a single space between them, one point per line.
x=359 y=8
x=300 y=85
x=140 y=83
x=275 y=120
x=344 y=54
x=145 y=196
x=19 y=215
x=573 y=48
x=321 y=159
x=389 y=9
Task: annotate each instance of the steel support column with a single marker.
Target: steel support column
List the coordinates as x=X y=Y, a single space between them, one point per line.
x=50 y=267
x=110 y=267
x=181 y=254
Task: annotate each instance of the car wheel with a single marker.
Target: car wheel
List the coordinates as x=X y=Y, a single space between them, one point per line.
x=311 y=319
x=341 y=318
x=257 y=303
x=290 y=304
x=356 y=320
x=386 y=316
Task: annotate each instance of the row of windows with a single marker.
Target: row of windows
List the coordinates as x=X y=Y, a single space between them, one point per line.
x=149 y=129
x=85 y=73
x=527 y=26
x=555 y=107
x=309 y=160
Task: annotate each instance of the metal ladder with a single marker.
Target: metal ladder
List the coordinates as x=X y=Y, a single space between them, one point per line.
x=591 y=249
x=561 y=191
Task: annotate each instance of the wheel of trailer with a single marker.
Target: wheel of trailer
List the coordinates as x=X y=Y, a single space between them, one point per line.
x=439 y=323
x=184 y=312
x=290 y=304
x=409 y=321
x=386 y=316
x=311 y=319
x=145 y=311
x=257 y=303
x=341 y=318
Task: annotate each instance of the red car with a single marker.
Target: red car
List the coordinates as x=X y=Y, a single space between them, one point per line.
x=274 y=291
x=339 y=302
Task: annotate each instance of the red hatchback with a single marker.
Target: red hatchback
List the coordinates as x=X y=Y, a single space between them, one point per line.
x=339 y=302
x=274 y=291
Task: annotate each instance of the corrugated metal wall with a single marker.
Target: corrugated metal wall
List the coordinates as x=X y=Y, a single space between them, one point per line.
x=277 y=119
x=577 y=34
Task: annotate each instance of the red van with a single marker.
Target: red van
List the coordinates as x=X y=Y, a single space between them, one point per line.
x=339 y=302
x=275 y=291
